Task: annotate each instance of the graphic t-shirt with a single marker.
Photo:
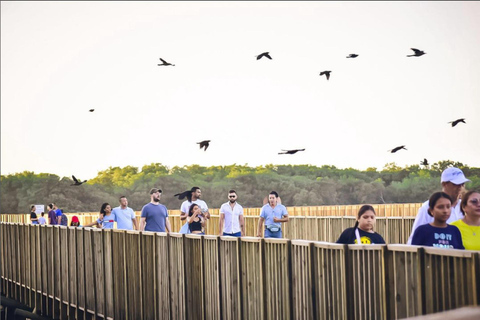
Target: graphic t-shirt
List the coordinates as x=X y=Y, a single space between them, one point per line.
x=430 y=236
x=348 y=237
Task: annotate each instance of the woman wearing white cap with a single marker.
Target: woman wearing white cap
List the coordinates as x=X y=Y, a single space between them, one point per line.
x=453 y=181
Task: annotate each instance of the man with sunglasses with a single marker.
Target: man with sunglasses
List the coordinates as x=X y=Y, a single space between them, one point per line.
x=453 y=181
x=231 y=217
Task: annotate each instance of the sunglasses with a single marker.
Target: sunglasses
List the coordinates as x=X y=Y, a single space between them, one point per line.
x=231 y=196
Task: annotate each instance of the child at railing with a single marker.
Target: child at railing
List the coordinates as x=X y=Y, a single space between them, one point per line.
x=362 y=232
x=438 y=233
x=75 y=222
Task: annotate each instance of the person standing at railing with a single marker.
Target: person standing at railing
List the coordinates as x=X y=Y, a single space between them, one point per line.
x=231 y=217
x=52 y=216
x=75 y=222
x=193 y=196
x=124 y=215
x=42 y=220
x=195 y=220
x=438 y=233
x=272 y=214
x=105 y=219
x=33 y=215
x=362 y=232
x=154 y=214
x=469 y=226
x=453 y=181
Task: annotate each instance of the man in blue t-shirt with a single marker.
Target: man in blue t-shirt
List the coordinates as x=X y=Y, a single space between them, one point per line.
x=273 y=214
x=125 y=216
x=58 y=213
x=154 y=214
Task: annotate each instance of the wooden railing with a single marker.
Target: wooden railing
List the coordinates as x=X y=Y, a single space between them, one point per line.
x=76 y=273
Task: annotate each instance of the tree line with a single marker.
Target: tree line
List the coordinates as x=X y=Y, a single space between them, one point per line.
x=297 y=185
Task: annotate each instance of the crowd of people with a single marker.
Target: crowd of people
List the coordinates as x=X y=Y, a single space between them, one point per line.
x=449 y=219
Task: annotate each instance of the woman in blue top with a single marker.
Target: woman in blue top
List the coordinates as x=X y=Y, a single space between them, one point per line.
x=438 y=233
x=362 y=232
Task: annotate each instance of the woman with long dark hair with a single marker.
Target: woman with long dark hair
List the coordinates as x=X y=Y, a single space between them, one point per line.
x=195 y=221
x=362 y=232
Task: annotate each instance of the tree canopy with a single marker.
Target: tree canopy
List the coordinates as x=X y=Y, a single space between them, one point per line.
x=298 y=185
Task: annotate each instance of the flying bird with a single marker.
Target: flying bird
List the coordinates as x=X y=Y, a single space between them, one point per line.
x=417 y=53
x=165 y=63
x=326 y=73
x=91 y=110
x=454 y=123
x=77 y=182
x=291 y=151
x=352 y=55
x=204 y=143
x=397 y=148
x=265 y=54
x=424 y=162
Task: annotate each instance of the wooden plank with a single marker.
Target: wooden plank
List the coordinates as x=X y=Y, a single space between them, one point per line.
x=108 y=273
x=177 y=276
x=149 y=275
x=303 y=292
x=195 y=300
x=252 y=290
x=162 y=279
x=211 y=277
x=98 y=276
x=119 y=274
x=133 y=269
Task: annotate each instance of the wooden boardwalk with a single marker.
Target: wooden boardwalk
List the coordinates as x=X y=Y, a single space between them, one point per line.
x=83 y=273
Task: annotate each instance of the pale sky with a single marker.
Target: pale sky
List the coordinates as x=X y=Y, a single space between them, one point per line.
x=60 y=59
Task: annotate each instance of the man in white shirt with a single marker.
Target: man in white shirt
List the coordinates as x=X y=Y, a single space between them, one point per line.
x=453 y=181
x=231 y=217
x=193 y=196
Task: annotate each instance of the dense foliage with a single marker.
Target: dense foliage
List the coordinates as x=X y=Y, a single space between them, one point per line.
x=298 y=185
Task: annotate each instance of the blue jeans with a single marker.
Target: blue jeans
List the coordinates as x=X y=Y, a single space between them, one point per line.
x=269 y=234
x=238 y=234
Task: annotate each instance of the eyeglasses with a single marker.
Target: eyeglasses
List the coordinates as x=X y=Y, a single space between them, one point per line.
x=231 y=196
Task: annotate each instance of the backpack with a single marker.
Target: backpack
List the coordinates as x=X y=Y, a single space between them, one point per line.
x=64 y=220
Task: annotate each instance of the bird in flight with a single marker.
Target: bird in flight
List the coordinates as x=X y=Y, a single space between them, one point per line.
x=454 y=123
x=397 y=148
x=91 y=110
x=165 y=63
x=265 y=54
x=326 y=73
x=352 y=55
x=291 y=151
x=424 y=162
x=417 y=53
x=204 y=143
x=77 y=182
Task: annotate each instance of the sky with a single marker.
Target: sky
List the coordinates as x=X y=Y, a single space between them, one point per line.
x=60 y=59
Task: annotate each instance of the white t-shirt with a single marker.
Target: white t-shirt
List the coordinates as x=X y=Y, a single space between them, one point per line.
x=232 y=221
x=423 y=217
x=186 y=205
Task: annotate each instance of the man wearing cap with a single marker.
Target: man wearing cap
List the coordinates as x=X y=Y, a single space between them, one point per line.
x=452 y=181
x=154 y=214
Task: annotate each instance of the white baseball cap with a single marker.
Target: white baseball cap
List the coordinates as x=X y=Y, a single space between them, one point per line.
x=454 y=175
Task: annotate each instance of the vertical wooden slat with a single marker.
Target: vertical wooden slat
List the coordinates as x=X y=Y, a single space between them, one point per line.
x=119 y=274
x=212 y=277
x=230 y=278
x=149 y=275
x=134 y=283
x=177 y=276
x=252 y=291
x=162 y=281
x=195 y=299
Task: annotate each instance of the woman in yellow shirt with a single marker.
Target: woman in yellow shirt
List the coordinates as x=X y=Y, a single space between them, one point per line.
x=470 y=225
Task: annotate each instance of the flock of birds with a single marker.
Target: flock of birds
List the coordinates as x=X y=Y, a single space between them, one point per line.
x=206 y=143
